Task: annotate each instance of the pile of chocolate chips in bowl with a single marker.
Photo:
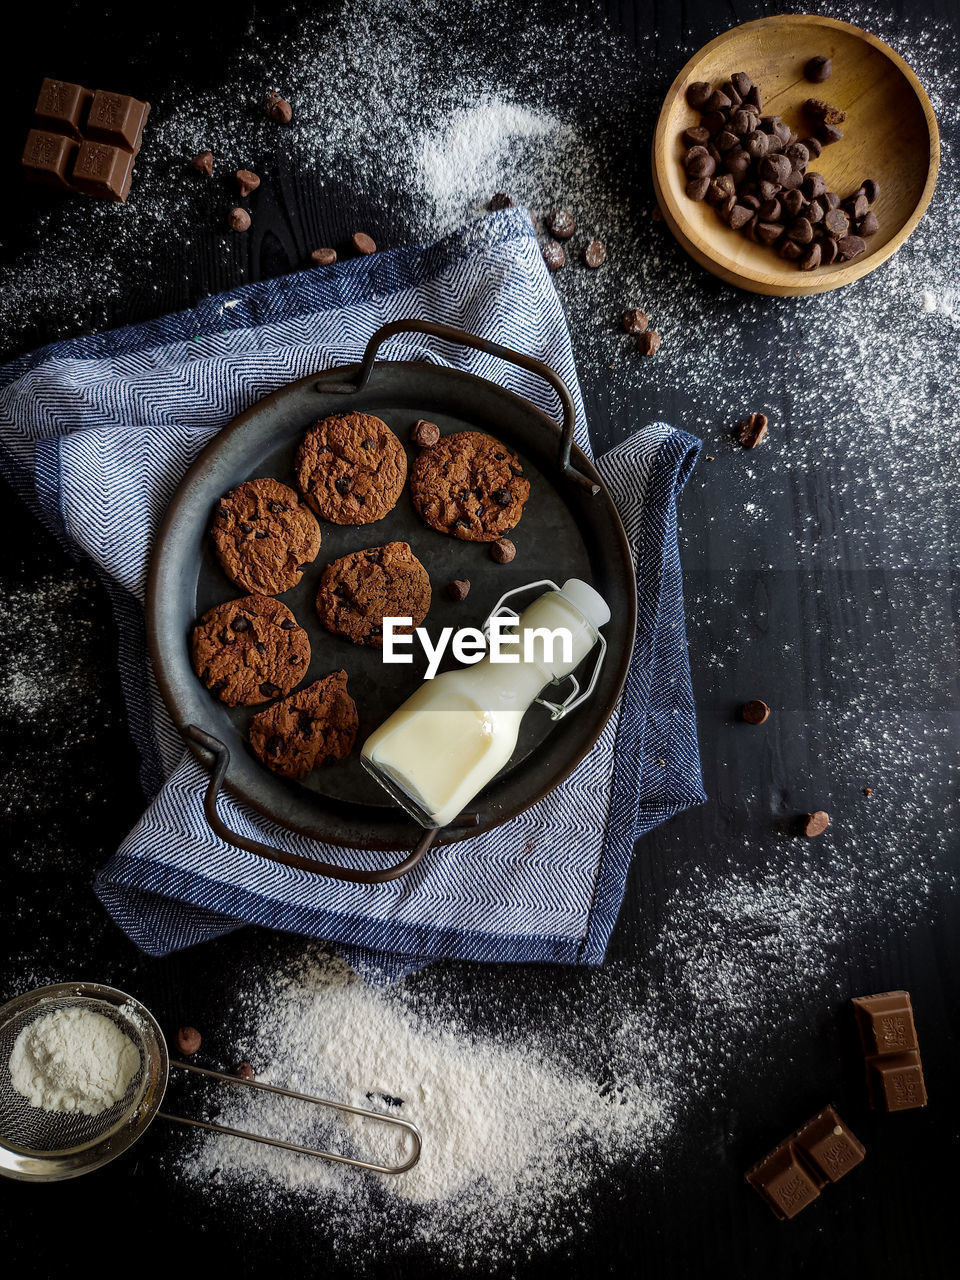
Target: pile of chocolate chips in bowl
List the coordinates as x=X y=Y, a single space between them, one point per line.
x=753 y=169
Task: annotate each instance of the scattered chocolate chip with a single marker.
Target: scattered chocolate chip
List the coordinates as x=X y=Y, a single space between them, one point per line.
x=740 y=215
x=459 y=589
x=698 y=94
x=648 y=342
x=836 y=223
x=560 y=223
x=816 y=823
x=814 y=147
x=553 y=255
x=871 y=189
x=811 y=259
x=203 y=163
x=247 y=181
x=323 y=257
x=595 y=254
x=696 y=189
x=742 y=83
x=829 y=133
x=503 y=551
x=243 y=1071
x=696 y=136
x=850 y=247
x=502 y=497
x=289 y=624
x=500 y=200
x=718 y=101
x=868 y=791
x=635 y=321
x=241 y=622
x=188 y=1040
x=424 y=434
x=278 y=109
x=755 y=711
x=342 y=486
x=274 y=744
x=238 y=220
x=752 y=429
x=818 y=69
x=363 y=243
x=269 y=690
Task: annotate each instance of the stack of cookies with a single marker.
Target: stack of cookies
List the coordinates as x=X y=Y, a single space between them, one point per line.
x=350 y=470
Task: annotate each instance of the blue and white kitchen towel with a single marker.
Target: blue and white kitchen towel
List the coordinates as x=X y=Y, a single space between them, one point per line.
x=97 y=432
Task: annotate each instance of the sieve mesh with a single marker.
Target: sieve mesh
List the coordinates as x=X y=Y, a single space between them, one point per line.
x=36 y=1132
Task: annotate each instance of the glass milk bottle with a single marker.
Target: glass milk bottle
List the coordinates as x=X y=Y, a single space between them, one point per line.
x=457 y=731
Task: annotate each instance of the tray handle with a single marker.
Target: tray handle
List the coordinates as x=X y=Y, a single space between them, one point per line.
x=357 y=875
x=450 y=334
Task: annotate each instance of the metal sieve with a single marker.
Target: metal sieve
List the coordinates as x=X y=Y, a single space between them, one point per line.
x=47 y=1146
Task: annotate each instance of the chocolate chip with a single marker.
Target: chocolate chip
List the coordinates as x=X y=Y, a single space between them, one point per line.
x=276 y=507
x=304 y=723
x=500 y=200
x=857 y=207
x=424 y=434
x=718 y=101
x=459 y=589
x=829 y=133
x=698 y=94
x=814 y=147
x=238 y=220
x=274 y=745
x=243 y=1071
x=850 y=247
x=829 y=252
x=218 y=686
x=815 y=212
x=223 y=513
x=770 y=210
x=269 y=690
x=871 y=189
x=246 y=526
x=743 y=121
x=727 y=140
x=503 y=551
x=502 y=497
x=752 y=429
x=797 y=154
x=696 y=136
x=323 y=257
x=868 y=225
x=755 y=711
x=741 y=82
x=768 y=232
x=801 y=231
x=836 y=223
x=775 y=168
x=730 y=90
x=278 y=109
x=363 y=243
x=553 y=255
x=812 y=258
x=756 y=143
x=460 y=523
x=634 y=321
x=342 y=486
x=225 y=637
x=188 y=1040
x=648 y=342
x=823 y=112
x=288 y=624
x=241 y=622
x=203 y=163
x=700 y=163
x=740 y=215
x=790 y=250
x=714 y=122
x=247 y=181
x=831 y=200
x=816 y=823
x=595 y=254
x=696 y=189
x=560 y=223
x=818 y=69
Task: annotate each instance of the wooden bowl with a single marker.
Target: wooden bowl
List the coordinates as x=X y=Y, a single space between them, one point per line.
x=890 y=135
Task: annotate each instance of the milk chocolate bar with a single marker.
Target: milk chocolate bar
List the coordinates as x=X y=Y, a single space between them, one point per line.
x=795 y=1171
x=84 y=141
x=891 y=1052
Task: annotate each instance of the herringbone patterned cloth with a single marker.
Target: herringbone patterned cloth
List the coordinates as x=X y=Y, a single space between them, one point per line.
x=96 y=434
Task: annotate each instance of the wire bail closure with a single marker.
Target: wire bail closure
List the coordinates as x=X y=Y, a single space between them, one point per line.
x=575 y=697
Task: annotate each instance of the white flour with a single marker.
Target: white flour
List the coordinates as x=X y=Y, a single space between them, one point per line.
x=73 y=1059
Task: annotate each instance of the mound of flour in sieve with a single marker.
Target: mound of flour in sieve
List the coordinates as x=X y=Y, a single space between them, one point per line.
x=73 y=1060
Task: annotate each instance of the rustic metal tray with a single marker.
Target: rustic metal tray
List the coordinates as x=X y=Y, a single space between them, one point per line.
x=570 y=528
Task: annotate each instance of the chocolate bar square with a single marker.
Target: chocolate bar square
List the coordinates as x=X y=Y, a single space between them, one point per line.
x=885 y=1022
x=828 y=1147
x=896 y=1082
x=61 y=106
x=783 y=1182
x=117 y=119
x=47 y=158
x=101 y=170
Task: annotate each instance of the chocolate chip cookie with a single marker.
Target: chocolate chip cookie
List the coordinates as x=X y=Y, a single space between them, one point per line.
x=250 y=650
x=359 y=590
x=264 y=536
x=316 y=724
x=351 y=469
x=469 y=485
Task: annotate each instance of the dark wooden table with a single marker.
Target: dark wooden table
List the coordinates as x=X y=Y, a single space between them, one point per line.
x=839 y=607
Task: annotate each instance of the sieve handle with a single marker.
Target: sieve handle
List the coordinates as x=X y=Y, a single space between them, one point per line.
x=342 y=1107
x=450 y=334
